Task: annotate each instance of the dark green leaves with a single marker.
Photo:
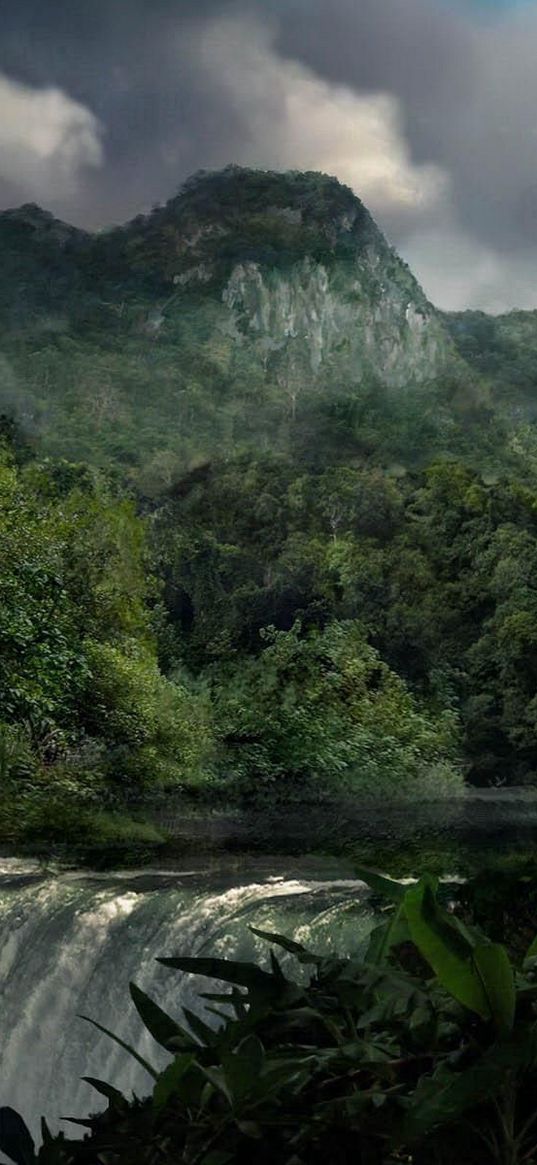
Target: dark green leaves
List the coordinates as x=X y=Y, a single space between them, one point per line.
x=448 y=953
x=15 y=1140
x=227 y=970
x=493 y=968
x=363 y=1054
x=126 y=1047
x=293 y=948
x=479 y=975
x=161 y=1026
x=446 y=1095
x=387 y=935
x=112 y=1094
x=243 y=1068
x=384 y=887
x=170 y=1080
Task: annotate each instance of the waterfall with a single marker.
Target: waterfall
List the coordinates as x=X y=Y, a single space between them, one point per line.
x=70 y=944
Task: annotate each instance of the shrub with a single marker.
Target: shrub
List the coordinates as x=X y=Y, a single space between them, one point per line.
x=156 y=731
x=325 y=709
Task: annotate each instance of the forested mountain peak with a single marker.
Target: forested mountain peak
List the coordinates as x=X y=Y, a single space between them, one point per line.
x=300 y=266
x=241 y=312
x=251 y=310
x=263 y=215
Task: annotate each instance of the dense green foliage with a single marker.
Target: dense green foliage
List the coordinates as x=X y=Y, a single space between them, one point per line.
x=234 y=560
x=422 y=1051
x=502 y=351
x=240 y=566
x=326 y=706
x=434 y=570
x=86 y=713
x=111 y=691
x=269 y=629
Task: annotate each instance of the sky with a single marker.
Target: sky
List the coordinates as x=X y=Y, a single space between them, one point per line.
x=426 y=108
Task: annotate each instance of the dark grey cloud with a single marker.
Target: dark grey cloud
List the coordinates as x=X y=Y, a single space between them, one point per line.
x=448 y=95
x=122 y=60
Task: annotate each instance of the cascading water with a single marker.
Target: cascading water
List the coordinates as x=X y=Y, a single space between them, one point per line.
x=69 y=945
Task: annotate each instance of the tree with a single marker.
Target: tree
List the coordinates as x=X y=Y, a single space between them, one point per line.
x=323 y=711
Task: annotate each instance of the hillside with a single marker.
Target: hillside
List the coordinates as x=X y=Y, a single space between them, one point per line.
x=268 y=519
x=502 y=351
x=251 y=310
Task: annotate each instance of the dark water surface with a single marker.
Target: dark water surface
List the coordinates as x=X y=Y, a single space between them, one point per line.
x=485 y=818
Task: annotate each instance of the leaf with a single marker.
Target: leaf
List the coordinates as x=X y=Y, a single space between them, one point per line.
x=385 y=887
x=85 y=1123
x=15 y=1139
x=46 y=1135
x=531 y=953
x=235 y=999
x=205 y=1034
x=496 y=974
x=161 y=1026
x=221 y=1015
x=446 y=1095
x=304 y=956
x=126 y=1047
x=216 y=1077
x=446 y=950
x=289 y=1076
x=112 y=1094
x=218 y=1157
x=243 y=1067
x=385 y=936
x=227 y=970
x=250 y=1129
x=276 y=968
x=472 y=934
x=169 y=1079
x=422 y=1025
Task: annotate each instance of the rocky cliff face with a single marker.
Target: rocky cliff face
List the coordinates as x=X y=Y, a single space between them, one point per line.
x=316 y=315
x=306 y=278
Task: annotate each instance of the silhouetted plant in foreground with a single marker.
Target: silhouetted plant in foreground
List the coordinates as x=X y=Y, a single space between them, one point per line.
x=423 y=1051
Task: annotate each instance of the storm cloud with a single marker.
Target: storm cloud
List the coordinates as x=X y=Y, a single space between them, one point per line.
x=425 y=107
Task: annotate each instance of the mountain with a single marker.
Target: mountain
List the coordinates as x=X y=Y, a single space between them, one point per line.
x=341 y=482
x=246 y=310
x=299 y=270
x=253 y=309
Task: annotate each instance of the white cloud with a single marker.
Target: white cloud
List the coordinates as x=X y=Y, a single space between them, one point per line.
x=46 y=140
x=294 y=119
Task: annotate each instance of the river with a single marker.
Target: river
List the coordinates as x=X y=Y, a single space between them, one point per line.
x=71 y=942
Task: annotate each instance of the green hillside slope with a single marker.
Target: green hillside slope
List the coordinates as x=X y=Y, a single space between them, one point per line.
x=268 y=519
x=252 y=310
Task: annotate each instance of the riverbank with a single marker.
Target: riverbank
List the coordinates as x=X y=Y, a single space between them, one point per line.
x=485 y=826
